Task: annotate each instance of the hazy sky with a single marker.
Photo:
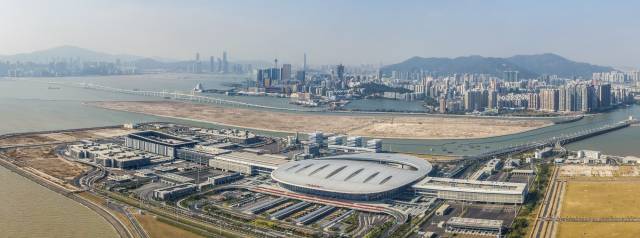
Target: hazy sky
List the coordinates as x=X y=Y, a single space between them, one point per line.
x=351 y=32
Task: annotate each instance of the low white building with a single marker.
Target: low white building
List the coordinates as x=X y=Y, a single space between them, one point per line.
x=248 y=162
x=630 y=160
x=472 y=190
x=175 y=191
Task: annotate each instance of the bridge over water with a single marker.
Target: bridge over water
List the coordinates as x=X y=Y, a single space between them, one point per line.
x=555 y=140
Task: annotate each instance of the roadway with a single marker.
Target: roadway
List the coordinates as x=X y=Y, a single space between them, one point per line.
x=87 y=181
x=545 y=225
x=192 y=208
x=561 y=140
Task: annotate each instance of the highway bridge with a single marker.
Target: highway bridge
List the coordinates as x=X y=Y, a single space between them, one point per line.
x=556 y=140
x=179 y=96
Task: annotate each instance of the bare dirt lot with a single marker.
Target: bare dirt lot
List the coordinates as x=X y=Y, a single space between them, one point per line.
x=44 y=160
x=380 y=126
x=30 y=139
x=27 y=139
x=599 y=171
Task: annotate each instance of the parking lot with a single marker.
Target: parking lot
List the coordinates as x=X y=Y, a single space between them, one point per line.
x=436 y=223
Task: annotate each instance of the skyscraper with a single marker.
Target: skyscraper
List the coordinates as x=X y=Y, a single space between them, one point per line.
x=304 y=63
x=225 y=63
x=604 y=96
x=197 y=65
x=340 y=72
x=286 y=72
x=212 y=64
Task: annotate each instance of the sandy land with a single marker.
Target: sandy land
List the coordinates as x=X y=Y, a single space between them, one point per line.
x=32 y=139
x=378 y=126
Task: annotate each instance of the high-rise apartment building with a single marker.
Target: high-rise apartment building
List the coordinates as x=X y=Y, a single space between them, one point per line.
x=510 y=76
x=443 y=105
x=475 y=100
x=604 y=96
x=492 y=100
x=549 y=100
x=534 y=101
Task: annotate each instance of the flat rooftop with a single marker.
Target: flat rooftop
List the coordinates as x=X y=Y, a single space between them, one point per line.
x=175 y=187
x=262 y=160
x=463 y=185
x=474 y=222
x=160 y=138
x=175 y=177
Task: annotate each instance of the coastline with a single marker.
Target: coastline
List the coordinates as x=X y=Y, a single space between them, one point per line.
x=298 y=110
x=118 y=227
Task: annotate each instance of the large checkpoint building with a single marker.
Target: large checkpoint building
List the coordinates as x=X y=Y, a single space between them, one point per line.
x=157 y=142
x=363 y=176
x=473 y=190
x=368 y=176
x=375 y=176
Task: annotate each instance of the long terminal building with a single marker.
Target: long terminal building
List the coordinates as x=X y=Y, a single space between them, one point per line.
x=472 y=190
x=157 y=142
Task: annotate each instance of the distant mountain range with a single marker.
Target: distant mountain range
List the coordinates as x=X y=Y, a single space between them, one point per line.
x=67 y=52
x=77 y=53
x=528 y=66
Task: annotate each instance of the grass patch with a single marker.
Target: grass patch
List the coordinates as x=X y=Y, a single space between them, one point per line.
x=599 y=230
x=163 y=228
x=602 y=199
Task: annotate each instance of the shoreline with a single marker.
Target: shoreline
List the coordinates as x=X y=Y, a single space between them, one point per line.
x=118 y=227
x=97 y=104
x=340 y=112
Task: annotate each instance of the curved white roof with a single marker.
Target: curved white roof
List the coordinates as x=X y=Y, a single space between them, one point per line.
x=354 y=173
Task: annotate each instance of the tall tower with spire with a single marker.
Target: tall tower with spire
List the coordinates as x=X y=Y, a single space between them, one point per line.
x=304 y=63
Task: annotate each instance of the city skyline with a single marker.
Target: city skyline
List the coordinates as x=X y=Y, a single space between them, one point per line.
x=329 y=32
